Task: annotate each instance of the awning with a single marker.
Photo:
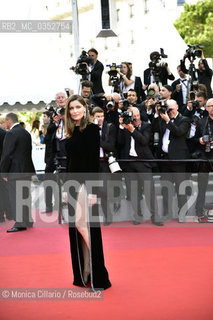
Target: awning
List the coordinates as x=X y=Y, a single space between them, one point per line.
x=19 y=107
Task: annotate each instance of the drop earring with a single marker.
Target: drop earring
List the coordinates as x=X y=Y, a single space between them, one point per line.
x=85 y=114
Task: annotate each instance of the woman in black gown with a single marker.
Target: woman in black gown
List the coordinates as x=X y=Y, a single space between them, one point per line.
x=82 y=146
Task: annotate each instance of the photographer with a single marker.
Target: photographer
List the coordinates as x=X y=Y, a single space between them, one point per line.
x=107 y=145
x=86 y=89
x=55 y=143
x=95 y=70
x=133 y=138
x=138 y=86
x=148 y=106
x=157 y=72
x=204 y=72
x=109 y=104
x=172 y=129
x=197 y=106
x=181 y=87
x=127 y=80
x=204 y=140
x=132 y=98
x=166 y=92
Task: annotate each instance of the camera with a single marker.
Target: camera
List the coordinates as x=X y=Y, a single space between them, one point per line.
x=81 y=67
x=162 y=106
x=60 y=111
x=207 y=139
x=113 y=164
x=155 y=65
x=151 y=93
x=195 y=104
x=55 y=111
x=111 y=105
x=126 y=104
x=113 y=69
x=192 y=95
x=193 y=51
x=127 y=116
x=51 y=109
x=113 y=73
x=67 y=90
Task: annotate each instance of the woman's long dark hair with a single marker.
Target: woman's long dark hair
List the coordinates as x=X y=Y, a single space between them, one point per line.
x=69 y=122
x=129 y=70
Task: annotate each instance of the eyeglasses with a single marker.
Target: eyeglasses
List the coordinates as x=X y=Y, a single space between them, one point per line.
x=210 y=106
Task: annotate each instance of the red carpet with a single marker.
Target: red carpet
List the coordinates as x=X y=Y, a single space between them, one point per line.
x=156 y=272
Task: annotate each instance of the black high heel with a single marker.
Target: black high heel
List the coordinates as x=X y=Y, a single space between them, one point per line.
x=202 y=219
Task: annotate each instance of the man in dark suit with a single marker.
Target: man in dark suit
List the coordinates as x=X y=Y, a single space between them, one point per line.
x=2 y=182
x=195 y=111
x=2 y=135
x=199 y=108
x=134 y=139
x=204 y=131
x=160 y=76
x=107 y=145
x=172 y=129
x=132 y=97
x=16 y=165
x=95 y=71
x=181 y=87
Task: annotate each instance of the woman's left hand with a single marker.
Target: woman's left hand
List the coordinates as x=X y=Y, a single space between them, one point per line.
x=92 y=199
x=64 y=197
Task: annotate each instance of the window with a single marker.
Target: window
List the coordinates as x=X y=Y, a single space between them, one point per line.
x=118 y=14
x=132 y=37
x=145 y=7
x=131 y=8
x=180 y=2
x=118 y=43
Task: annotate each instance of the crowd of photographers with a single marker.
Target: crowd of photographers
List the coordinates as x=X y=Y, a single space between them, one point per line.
x=146 y=120
x=140 y=121
x=153 y=120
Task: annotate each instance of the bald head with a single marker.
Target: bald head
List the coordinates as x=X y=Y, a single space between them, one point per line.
x=209 y=107
x=209 y=102
x=136 y=116
x=60 y=99
x=173 y=108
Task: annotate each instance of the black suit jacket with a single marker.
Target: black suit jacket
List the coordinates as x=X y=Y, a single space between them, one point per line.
x=139 y=90
x=142 y=137
x=16 y=155
x=2 y=136
x=108 y=137
x=96 y=75
x=50 y=142
x=201 y=130
x=178 y=130
x=164 y=76
x=178 y=96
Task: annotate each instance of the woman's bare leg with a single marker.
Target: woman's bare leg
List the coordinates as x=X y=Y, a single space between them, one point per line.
x=82 y=226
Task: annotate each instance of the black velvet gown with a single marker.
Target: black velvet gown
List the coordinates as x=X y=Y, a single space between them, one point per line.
x=83 y=157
